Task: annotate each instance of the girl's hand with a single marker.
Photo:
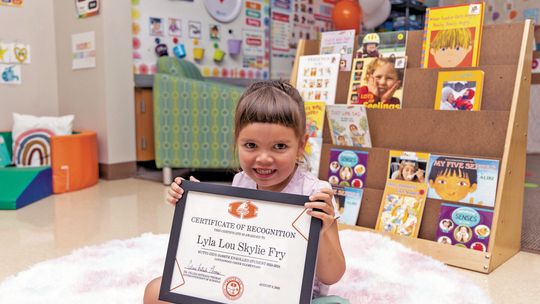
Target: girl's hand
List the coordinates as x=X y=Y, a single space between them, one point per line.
x=322 y=201
x=372 y=86
x=175 y=192
x=420 y=174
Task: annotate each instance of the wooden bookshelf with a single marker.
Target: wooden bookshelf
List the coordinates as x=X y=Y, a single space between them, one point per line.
x=498 y=131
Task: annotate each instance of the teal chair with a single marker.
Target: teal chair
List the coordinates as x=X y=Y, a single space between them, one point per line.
x=193 y=119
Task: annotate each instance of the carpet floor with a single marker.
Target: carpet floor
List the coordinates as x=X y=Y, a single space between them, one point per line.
x=379 y=270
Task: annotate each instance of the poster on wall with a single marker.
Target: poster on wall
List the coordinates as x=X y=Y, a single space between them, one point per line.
x=14 y=3
x=175 y=27
x=10 y=74
x=21 y=53
x=6 y=49
x=83 y=49
x=87 y=8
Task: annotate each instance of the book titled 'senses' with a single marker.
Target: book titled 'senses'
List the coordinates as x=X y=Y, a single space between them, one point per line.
x=452 y=36
x=459 y=90
x=467 y=227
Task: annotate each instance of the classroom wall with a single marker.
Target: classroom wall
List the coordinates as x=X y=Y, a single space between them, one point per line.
x=32 y=24
x=102 y=97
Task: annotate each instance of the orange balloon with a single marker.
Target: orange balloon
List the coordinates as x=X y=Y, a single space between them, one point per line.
x=347 y=15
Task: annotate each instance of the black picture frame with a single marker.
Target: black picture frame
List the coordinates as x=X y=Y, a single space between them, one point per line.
x=236 y=192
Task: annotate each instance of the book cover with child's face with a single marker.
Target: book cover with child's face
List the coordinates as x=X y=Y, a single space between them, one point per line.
x=377 y=82
x=467 y=227
x=347 y=168
x=464 y=180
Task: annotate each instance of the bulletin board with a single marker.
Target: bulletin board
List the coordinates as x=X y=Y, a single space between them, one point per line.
x=267 y=36
x=224 y=38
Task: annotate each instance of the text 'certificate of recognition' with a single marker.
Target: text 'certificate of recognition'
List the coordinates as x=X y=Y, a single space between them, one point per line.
x=236 y=245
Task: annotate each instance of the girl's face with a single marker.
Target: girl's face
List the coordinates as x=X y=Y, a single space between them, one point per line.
x=451 y=98
x=408 y=172
x=385 y=77
x=267 y=153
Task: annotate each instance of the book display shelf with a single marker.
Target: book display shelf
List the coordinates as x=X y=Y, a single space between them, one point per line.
x=498 y=131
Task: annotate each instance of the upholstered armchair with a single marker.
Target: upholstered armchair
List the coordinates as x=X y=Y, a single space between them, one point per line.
x=193 y=119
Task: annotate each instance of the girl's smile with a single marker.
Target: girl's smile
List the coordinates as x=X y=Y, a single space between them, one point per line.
x=268 y=153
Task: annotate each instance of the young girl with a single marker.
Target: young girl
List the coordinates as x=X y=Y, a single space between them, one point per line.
x=409 y=171
x=382 y=81
x=270 y=136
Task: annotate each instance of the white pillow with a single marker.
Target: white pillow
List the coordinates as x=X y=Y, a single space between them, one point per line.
x=31 y=137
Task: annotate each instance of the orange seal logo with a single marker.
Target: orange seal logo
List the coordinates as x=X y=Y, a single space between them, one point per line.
x=233 y=288
x=243 y=210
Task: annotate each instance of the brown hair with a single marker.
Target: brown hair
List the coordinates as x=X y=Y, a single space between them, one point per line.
x=273 y=101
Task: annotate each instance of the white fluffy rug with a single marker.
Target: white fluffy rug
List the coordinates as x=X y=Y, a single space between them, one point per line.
x=378 y=271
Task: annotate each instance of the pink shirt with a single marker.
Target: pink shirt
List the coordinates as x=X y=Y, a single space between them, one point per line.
x=302 y=183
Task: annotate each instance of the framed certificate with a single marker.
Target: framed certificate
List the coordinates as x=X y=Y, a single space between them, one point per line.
x=237 y=245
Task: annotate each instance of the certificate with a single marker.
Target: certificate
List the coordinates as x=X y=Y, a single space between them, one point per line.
x=237 y=245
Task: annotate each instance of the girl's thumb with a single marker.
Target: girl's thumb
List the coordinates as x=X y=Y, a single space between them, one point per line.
x=193 y=179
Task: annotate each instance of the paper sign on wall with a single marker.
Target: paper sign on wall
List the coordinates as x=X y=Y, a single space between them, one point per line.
x=16 y=3
x=10 y=74
x=83 y=48
x=6 y=49
x=21 y=53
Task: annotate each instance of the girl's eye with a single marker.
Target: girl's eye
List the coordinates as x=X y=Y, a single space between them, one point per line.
x=441 y=181
x=462 y=184
x=443 y=49
x=457 y=48
x=250 y=145
x=280 y=146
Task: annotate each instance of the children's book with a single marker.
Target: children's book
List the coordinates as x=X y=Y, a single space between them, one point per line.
x=314 y=117
x=401 y=208
x=452 y=36
x=347 y=168
x=464 y=180
x=459 y=90
x=317 y=77
x=408 y=166
x=377 y=82
x=4 y=154
x=351 y=205
x=468 y=227
x=313 y=154
x=349 y=126
x=385 y=44
x=339 y=42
